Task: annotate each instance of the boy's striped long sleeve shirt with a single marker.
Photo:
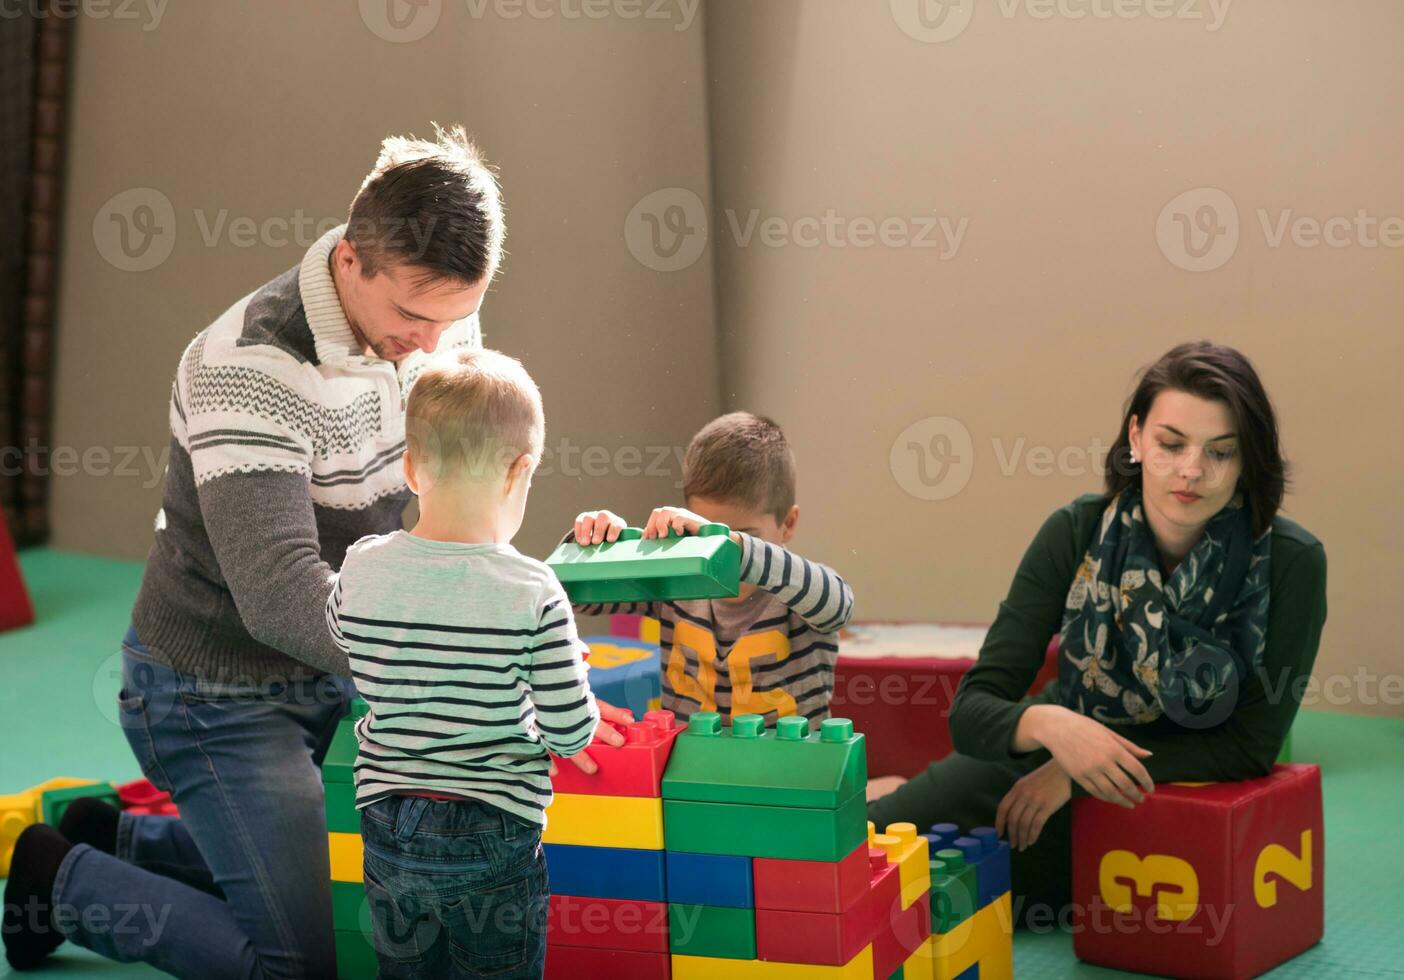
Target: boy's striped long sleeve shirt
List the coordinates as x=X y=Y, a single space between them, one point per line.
x=771 y=654
x=469 y=659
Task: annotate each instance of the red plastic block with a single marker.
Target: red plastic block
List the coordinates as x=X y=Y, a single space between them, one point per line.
x=15 y=607
x=166 y=809
x=899 y=935
x=587 y=963
x=608 y=923
x=632 y=769
x=811 y=886
x=141 y=792
x=825 y=938
x=1217 y=880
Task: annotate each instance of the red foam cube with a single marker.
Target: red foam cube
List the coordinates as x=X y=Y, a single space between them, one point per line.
x=632 y=769
x=827 y=938
x=1216 y=880
x=581 y=962
x=608 y=923
x=15 y=607
x=811 y=886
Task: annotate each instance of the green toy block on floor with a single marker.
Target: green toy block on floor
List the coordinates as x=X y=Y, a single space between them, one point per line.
x=786 y=767
x=710 y=930
x=355 y=956
x=747 y=830
x=705 y=565
x=55 y=801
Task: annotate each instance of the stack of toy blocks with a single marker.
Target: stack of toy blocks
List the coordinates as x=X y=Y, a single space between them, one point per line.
x=972 y=926
x=15 y=607
x=355 y=955
x=605 y=858
x=1209 y=880
x=770 y=873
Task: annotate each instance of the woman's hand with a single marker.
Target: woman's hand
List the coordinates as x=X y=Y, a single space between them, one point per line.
x=604 y=732
x=1028 y=805
x=1102 y=762
x=597 y=526
x=882 y=785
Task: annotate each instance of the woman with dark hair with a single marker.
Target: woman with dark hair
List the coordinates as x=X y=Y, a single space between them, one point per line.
x=1189 y=613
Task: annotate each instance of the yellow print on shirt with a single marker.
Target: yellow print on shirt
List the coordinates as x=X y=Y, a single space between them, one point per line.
x=703 y=688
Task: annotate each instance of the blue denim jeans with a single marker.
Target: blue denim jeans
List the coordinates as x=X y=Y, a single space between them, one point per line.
x=239 y=885
x=455 y=888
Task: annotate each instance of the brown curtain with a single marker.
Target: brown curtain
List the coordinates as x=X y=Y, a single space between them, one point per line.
x=33 y=95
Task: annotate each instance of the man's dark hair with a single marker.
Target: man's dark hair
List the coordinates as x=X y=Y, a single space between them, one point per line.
x=433 y=206
x=1216 y=373
x=742 y=458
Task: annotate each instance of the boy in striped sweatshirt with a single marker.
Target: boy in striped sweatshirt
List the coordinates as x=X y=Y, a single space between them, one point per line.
x=467 y=653
x=771 y=650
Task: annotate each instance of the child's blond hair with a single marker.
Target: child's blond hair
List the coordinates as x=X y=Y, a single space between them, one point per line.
x=470 y=414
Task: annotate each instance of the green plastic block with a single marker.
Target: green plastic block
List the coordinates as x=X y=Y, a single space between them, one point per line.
x=55 y=801
x=1286 y=754
x=954 y=890
x=342 y=815
x=360 y=707
x=900 y=974
x=355 y=956
x=705 y=565
x=709 y=930
x=765 y=831
x=340 y=762
x=348 y=906
x=787 y=766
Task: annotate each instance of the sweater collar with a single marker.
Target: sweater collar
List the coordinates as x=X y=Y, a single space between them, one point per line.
x=331 y=331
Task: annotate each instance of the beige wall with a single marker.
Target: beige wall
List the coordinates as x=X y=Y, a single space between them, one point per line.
x=1060 y=140
x=269 y=112
x=1057 y=141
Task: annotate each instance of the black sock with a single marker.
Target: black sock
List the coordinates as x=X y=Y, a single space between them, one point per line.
x=89 y=820
x=29 y=931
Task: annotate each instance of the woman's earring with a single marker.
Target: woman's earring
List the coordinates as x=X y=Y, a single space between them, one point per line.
x=1134 y=460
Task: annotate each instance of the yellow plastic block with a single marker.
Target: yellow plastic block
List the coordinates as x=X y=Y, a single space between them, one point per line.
x=605 y=821
x=650 y=630
x=59 y=782
x=17 y=811
x=987 y=937
x=347 y=853
x=918 y=965
x=710 y=968
x=911 y=853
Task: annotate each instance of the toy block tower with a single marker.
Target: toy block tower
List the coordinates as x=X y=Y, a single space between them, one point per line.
x=1210 y=880
x=355 y=954
x=770 y=873
x=605 y=857
x=972 y=926
x=705 y=565
x=15 y=608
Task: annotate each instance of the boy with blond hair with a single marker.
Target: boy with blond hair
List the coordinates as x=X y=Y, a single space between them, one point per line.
x=467 y=653
x=771 y=649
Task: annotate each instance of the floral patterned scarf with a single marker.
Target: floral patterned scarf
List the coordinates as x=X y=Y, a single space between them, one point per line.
x=1135 y=646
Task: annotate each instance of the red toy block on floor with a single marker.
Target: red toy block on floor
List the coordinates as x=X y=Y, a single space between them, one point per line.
x=585 y=963
x=15 y=607
x=141 y=798
x=811 y=886
x=632 y=769
x=1202 y=880
x=829 y=939
x=608 y=923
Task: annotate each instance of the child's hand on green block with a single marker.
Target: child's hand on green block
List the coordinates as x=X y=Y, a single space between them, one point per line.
x=597 y=526
x=665 y=519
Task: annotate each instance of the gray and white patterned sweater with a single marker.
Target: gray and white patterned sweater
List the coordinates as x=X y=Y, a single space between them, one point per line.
x=286 y=445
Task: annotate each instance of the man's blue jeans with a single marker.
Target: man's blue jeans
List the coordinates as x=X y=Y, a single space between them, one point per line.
x=239 y=884
x=456 y=889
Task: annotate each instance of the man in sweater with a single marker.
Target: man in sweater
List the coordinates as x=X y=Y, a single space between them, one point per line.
x=287 y=429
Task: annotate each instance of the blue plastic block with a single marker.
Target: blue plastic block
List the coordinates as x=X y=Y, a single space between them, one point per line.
x=973 y=973
x=606 y=872
x=986 y=865
x=624 y=672
x=710 y=879
x=942 y=835
x=994 y=866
